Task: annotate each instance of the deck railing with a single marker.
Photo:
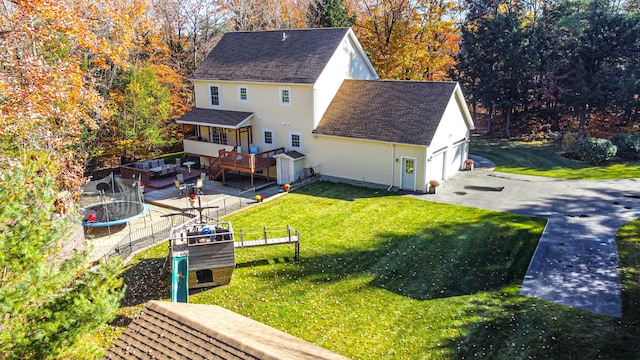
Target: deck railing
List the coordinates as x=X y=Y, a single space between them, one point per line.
x=248 y=162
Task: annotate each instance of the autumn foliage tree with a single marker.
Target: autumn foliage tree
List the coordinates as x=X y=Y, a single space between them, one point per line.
x=409 y=39
x=49 y=88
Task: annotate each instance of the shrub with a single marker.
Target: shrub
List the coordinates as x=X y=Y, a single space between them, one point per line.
x=628 y=145
x=595 y=151
x=569 y=140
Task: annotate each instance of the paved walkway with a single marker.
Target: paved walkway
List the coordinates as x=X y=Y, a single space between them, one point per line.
x=575 y=262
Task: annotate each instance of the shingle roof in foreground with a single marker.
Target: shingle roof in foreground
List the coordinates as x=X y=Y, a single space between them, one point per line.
x=166 y=330
x=406 y=112
x=263 y=56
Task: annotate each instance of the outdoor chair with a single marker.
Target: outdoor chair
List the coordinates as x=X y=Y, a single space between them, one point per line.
x=180 y=178
x=165 y=170
x=203 y=176
x=181 y=187
x=199 y=186
x=178 y=163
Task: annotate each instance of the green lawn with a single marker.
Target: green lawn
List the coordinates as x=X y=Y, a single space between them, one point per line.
x=543 y=159
x=389 y=277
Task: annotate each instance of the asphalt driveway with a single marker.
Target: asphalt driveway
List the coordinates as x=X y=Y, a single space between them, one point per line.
x=575 y=263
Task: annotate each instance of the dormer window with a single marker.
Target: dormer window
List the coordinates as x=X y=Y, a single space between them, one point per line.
x=243 y=93
x=214 y=91
x=285 y=96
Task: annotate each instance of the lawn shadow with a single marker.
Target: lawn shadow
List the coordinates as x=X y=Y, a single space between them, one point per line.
x=436 y=262
x=149 y=279
x=505 y=325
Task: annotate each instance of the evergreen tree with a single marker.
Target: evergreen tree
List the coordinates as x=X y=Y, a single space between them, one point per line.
x=498 y=59
x=329 y=13
x=47 y=300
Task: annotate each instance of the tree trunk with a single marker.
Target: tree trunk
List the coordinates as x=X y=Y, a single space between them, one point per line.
x=489 y=127
x=582 y=116
x=507 y=127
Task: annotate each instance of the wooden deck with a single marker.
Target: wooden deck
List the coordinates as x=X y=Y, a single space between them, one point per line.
x=247 y=163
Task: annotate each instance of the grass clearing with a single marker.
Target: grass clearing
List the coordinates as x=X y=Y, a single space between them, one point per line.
x=542 y=159
x=389 y=277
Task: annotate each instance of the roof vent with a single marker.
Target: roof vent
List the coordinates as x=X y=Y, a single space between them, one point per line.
x=284 y=37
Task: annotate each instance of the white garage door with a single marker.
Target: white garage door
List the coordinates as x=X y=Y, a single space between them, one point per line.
x=456 y=159
x=436 y=166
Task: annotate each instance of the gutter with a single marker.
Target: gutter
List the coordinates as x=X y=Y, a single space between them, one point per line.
x=393 y=164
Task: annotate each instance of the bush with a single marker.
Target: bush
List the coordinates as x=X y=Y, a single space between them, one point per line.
x=569 y=141
x=628 y=145
x=595 y=151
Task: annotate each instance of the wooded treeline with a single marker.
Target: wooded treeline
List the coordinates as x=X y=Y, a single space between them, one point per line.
x=541 y=63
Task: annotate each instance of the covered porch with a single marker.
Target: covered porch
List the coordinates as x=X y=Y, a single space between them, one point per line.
x=223 y=140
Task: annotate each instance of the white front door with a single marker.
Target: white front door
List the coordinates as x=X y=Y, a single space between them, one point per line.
x=408 y=180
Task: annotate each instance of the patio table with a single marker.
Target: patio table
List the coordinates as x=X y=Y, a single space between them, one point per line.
x=188 y=164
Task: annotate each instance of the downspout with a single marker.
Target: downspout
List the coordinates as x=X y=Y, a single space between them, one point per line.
x=393 y=164
x=426 y=167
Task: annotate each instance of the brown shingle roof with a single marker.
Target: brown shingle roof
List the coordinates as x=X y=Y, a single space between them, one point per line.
x=405 y=112
x=262 y=56
x=167 y=330
x=223 y=118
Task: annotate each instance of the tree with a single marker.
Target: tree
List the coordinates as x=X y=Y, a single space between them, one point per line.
x=48 y=300
x=329 y=13
x=56 y=57
x=499 y=59
x=266 y=14
x=408 y=39
x=140 y=110
x=596 y=45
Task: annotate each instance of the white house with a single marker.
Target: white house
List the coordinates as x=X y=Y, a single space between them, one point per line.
x=283 y=104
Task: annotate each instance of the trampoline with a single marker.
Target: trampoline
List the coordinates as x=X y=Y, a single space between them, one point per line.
x=127 y=205
x=113 y=213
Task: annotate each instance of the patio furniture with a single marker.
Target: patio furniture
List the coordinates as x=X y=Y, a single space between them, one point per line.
x=180 y=178
x=181 y=187
x=199 y=186
x=178 y=163
x=188 y=164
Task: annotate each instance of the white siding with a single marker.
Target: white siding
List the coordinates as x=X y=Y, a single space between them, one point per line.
x=346 y=63
x=368 y=161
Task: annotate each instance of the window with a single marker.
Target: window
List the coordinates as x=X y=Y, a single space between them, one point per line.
x=408 y=166
x=219 y=136
x=285 y=96
x=295 y=140
x=267 y=136
x=243 y=93
x=214 y=91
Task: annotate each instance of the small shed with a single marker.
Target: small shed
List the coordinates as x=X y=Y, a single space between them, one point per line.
x=290 y=166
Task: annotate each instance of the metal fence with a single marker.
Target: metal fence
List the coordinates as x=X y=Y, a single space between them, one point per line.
x=157 y=230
